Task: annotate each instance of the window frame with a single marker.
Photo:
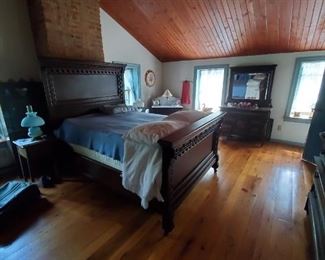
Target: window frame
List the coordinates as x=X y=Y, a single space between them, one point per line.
x=4 y=136
x=137 y=67
x=294 y=83
x=225 y=80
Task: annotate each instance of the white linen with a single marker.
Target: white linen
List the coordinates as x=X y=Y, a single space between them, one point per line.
x=142 y=162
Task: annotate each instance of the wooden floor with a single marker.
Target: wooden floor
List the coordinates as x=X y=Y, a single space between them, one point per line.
x=252 y=209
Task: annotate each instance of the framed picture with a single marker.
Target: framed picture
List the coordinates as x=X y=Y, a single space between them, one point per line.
x=150 y=78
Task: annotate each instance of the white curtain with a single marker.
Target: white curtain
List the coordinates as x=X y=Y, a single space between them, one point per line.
x=209 y=87
x=129 y=87
x=6 y=154
x=3 y=129
x=132 y=87
x=308 y=86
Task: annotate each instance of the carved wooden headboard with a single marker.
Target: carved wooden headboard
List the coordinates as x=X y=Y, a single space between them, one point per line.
x=76 y=87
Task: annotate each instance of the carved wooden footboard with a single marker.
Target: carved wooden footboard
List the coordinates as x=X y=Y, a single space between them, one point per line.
x=187 y=155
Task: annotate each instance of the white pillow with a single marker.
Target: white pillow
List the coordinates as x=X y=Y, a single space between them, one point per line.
x=115 y=109
x=150 y=133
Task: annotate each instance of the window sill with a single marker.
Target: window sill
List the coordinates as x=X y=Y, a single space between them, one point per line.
x=297 y=120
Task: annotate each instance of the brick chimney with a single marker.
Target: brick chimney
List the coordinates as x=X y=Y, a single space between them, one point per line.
x=68 y=29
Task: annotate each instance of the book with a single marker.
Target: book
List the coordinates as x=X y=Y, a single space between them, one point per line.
x=26 y=141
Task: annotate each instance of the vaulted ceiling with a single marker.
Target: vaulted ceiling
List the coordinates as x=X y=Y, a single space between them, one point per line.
x=195 y=29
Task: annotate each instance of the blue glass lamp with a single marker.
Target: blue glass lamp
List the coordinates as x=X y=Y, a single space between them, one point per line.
x=33 y=122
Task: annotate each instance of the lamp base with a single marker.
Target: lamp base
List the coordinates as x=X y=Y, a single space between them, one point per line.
x=35 y=132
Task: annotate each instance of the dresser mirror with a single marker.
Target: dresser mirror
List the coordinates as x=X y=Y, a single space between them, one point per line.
x=251 y=84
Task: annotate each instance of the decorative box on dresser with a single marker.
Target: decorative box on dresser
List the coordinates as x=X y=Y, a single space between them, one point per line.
x=248 y=105
x=315 y=206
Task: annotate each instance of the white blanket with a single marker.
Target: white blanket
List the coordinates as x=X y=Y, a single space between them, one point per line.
x=142 y=162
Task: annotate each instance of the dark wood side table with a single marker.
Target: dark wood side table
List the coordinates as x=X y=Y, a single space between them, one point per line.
x=165 y=110
x=32 y=154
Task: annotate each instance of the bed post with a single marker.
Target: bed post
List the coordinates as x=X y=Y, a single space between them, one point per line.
x=215 y=145
x=168 y=219
x=167 y=207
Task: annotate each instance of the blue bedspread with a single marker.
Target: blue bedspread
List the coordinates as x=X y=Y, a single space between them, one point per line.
x=103 y=133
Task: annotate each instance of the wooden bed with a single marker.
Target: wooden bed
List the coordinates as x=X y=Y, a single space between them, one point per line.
x=73 y=88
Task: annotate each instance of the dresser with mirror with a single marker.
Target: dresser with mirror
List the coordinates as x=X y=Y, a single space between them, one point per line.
x=248 y=104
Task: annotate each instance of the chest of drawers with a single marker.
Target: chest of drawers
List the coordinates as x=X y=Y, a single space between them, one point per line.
x=246 y=123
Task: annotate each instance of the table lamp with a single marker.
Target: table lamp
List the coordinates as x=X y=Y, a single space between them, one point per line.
x=33 y=122
x=167 y=94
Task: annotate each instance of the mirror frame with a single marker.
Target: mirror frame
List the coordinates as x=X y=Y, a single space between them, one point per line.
x=262 y=102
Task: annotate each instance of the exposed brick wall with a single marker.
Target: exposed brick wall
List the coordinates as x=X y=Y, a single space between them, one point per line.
x=67 y=29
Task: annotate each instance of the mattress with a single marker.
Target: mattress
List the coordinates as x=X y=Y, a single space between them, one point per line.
x=102 y=133
x=91 y=154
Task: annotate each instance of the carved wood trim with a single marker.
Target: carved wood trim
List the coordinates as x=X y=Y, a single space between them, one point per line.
x=57 y=74
x=196 y=140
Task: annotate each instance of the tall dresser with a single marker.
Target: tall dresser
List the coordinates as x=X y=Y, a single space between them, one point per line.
x=247 y=123
x=248 y=105
x=315 y=207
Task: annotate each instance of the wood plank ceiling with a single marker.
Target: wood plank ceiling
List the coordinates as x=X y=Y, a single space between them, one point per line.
x=195 y=29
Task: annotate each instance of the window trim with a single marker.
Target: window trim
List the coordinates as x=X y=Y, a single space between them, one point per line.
x=293 y=87
x=225 y=80
x=138 y=69
x=4 y=136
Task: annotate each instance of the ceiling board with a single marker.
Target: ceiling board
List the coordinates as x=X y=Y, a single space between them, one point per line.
x=198 y=29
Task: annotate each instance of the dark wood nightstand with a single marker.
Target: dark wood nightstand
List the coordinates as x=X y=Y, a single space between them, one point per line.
x=33 y=155
x=165 y=110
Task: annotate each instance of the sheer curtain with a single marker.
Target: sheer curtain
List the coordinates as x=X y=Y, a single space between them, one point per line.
x=131 y=85
x=308 y=86
x=209 y=88
x=6 y=154
x=3 y=129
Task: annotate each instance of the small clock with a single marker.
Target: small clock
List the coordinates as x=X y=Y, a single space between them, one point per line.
x=150 y=78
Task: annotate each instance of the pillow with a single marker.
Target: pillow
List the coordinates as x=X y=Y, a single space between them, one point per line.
x=150 y=133
x=115 y=109
x=187 y=116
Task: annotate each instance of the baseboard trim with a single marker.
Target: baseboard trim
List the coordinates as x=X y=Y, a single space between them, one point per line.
x=287 y=142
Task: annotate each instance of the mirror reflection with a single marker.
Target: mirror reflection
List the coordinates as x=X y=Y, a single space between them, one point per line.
x=251 y=86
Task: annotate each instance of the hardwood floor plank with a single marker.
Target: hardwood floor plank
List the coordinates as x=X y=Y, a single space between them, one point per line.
x=249 y=239
x=300 y=231
x=252 y=209
x=107 y=249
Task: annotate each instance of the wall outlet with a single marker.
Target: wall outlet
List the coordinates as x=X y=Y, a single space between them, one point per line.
x=279 y=127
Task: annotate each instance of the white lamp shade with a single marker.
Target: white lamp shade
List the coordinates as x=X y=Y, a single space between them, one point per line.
x=167 y=93
x=32 y=120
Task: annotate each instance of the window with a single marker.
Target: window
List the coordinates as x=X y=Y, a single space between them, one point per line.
x=6 y=154
x=210 y=86
x=306 y=83
x=3 y=129
x=132 y=89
